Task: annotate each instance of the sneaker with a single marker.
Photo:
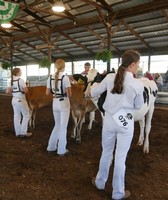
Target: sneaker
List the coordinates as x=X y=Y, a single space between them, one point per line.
x=52 y=152
x=27 y=135
x=127 y=194
x=66 y=152
x=94 y=183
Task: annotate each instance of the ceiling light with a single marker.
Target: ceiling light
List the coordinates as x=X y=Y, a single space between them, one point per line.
x=6 y=25
x=58 y=6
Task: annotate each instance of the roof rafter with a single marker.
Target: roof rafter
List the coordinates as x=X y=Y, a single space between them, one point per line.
x=76 y=42
x=20 y=27
x=62 y=50
x=36 y=16
x=135 y=33
x=29 y=55
x=122 y=14
x=142 y=26
x=50 y=12
x=33 y=47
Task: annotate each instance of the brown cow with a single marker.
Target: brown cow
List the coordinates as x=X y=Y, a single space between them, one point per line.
x=37 y=98
x=79 y=107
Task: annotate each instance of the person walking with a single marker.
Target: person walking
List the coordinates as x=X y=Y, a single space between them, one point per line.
x=59 y=85
x=124 y=94
x=18 y=89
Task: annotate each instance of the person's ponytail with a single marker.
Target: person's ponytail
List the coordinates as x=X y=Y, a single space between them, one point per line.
x=118 y=81
x=56 y=82
x=128 y=58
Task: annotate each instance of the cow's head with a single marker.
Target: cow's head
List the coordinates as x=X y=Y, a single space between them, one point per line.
x=92 y=74
x=90 y=78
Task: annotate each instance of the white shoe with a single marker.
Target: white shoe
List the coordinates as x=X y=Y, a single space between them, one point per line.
x=66 y=152
x=27 y=135
x=127 y=194
x=94 y=183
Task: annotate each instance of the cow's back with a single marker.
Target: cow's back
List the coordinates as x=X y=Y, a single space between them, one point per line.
x=37 y=98
x=150 y=91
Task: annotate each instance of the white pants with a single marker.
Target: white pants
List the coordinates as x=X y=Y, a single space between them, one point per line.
x=58 y=140
x=113 y=135
x=21 y=116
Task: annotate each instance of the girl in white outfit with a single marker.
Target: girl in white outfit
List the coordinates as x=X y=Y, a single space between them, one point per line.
x=20 y=107
x=59 y=85
x=124 y=94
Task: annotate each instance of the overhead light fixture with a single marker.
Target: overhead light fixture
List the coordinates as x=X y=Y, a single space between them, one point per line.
x=6 y=25
x=58 y=6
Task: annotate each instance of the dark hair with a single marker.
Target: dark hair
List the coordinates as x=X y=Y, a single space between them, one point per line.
x=87 y=64
x=113 y=70
x=15 y=71
x=128 y=57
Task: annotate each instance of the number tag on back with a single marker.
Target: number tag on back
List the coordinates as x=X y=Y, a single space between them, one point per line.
x=123 y=118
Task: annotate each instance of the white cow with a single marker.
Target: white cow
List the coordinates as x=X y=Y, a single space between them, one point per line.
x=144 y=115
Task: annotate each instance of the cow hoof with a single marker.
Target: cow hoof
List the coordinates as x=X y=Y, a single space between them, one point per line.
x=146 y=150
x=78 y=141
x=72 y=139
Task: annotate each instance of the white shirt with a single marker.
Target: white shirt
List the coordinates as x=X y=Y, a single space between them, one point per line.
x=130 y=99
x=159 y=80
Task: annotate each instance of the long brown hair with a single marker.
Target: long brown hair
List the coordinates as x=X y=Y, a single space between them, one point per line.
x=59 y=65
x=128 y=58
x=15 y=72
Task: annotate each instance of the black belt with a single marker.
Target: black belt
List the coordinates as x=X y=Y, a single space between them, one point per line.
x=60 y=98
x=57 y=97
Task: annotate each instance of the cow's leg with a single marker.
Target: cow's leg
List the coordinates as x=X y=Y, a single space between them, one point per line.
x=73 y=134
x=83 y=119
x=141 y=136
x=30 y=125
x=79 y=128
x=148 y=128
x=33 y=118
x=91 y=119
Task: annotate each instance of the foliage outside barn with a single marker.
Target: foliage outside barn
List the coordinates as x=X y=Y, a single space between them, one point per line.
x=45 y=62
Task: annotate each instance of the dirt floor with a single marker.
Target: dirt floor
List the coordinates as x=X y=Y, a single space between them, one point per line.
x=28 y=172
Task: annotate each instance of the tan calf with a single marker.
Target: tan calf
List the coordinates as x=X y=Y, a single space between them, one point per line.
x=79 y=107
x=36 y=98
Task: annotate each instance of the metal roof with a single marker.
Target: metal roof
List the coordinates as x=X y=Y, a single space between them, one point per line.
x=83 y=29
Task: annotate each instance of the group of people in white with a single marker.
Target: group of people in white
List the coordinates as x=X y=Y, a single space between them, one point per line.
x=124 y=94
